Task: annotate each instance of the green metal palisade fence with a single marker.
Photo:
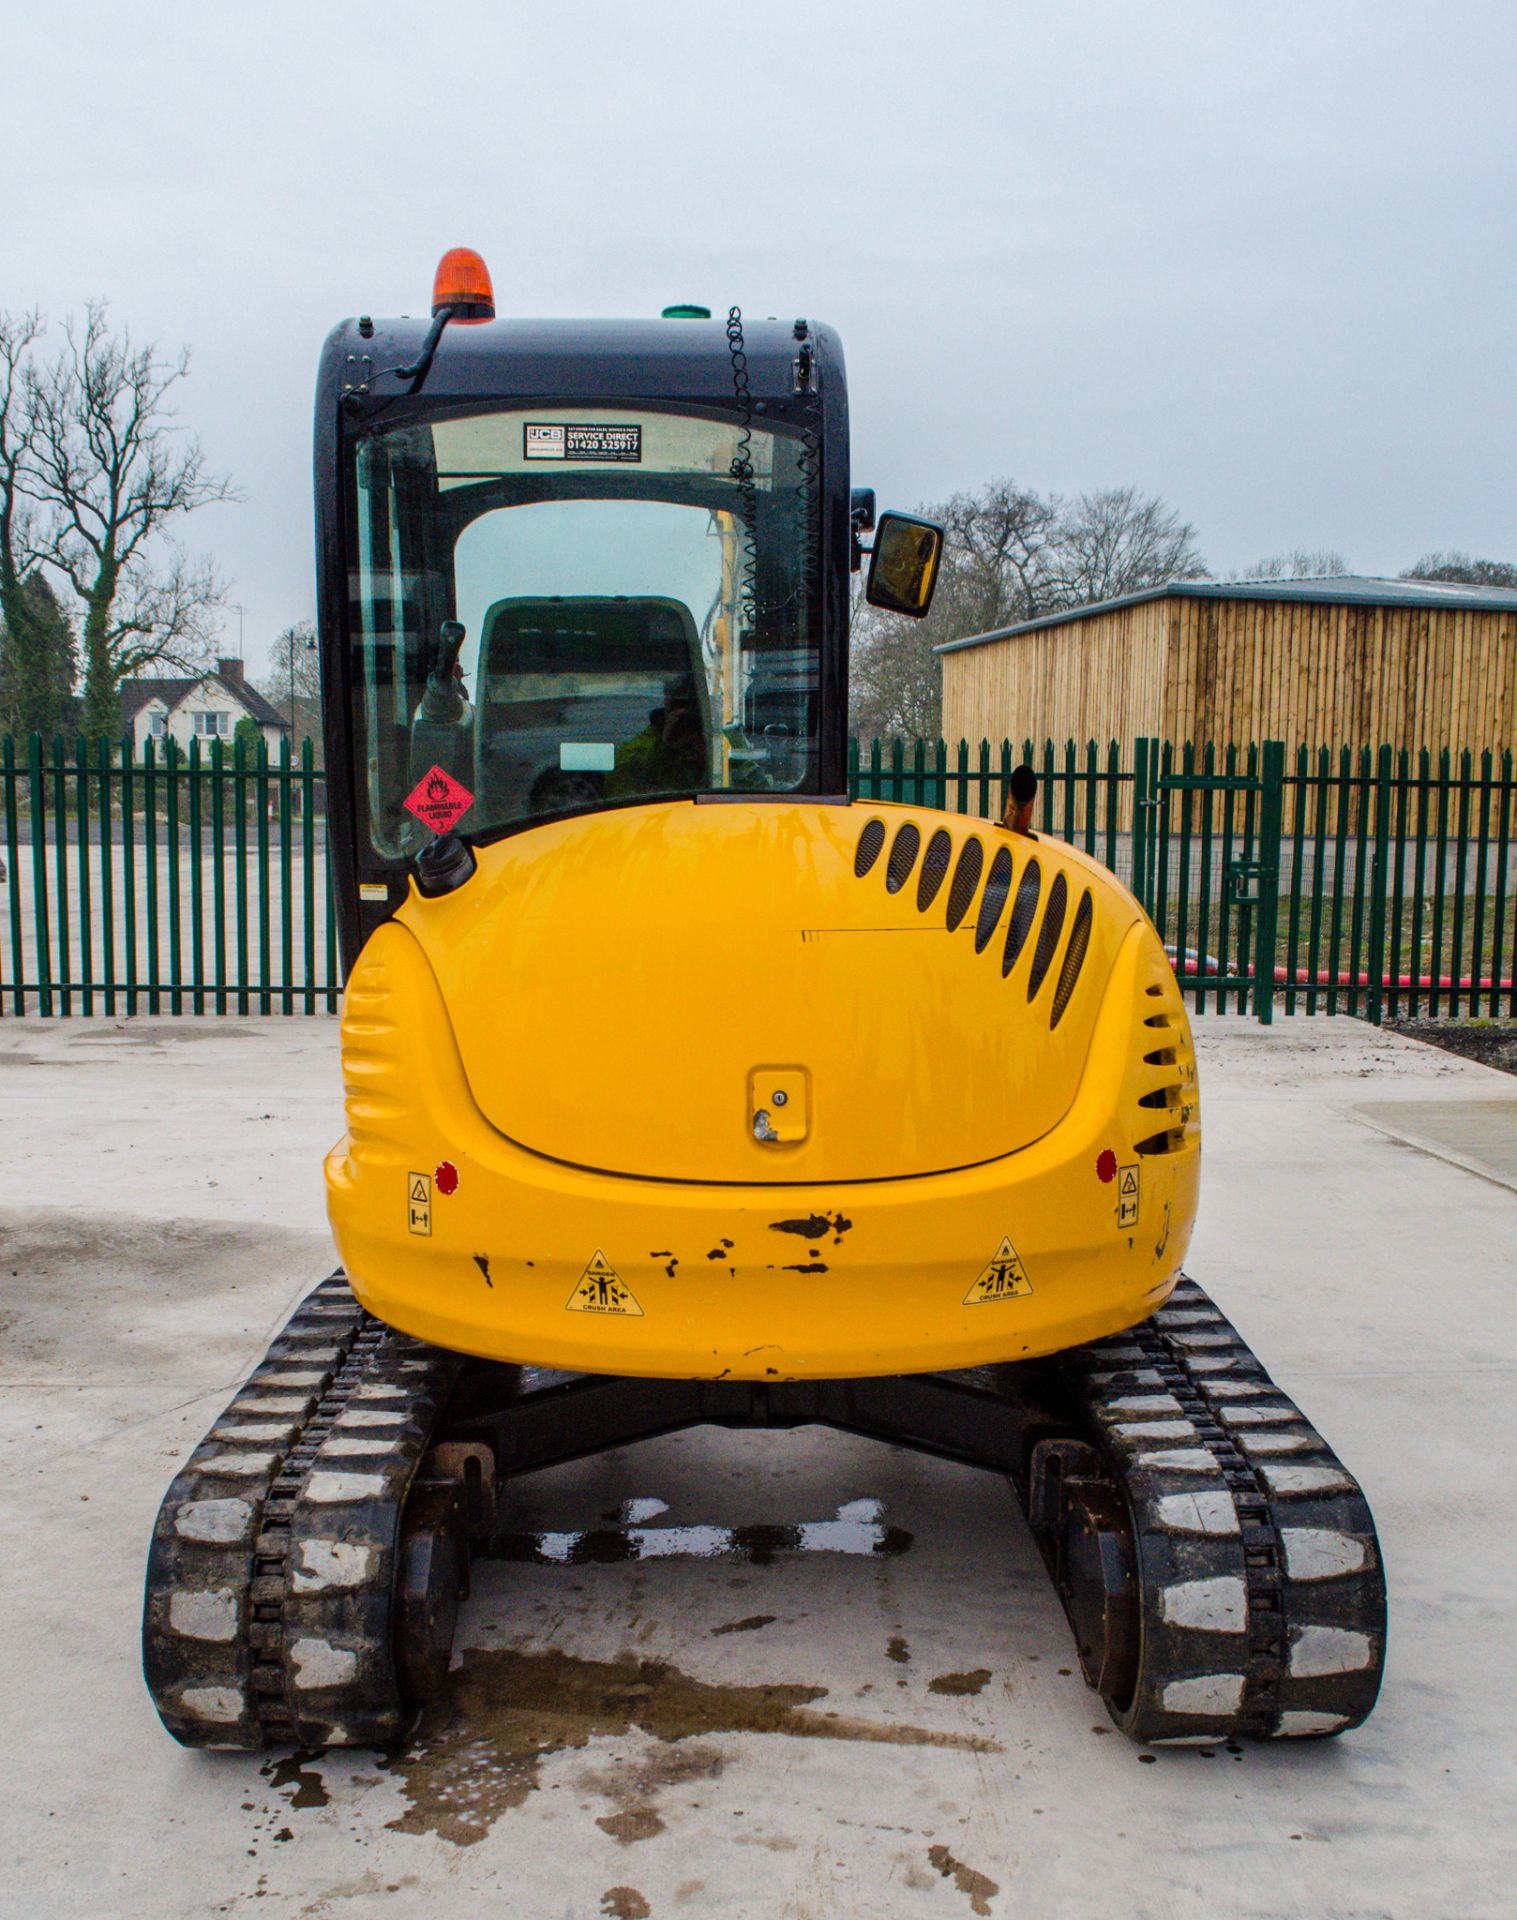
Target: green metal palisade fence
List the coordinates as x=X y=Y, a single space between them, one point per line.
x=169 y=882
x=1367 y=881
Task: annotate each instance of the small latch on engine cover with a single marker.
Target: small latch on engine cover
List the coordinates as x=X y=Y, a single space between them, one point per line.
x=779 y=1105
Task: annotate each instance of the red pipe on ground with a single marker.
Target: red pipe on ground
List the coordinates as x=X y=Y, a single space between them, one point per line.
x=1389 y=983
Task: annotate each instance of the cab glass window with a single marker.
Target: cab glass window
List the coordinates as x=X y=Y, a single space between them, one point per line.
x=558 y=610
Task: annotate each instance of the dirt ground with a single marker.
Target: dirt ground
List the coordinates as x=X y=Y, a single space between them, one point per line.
x=1492 y=1042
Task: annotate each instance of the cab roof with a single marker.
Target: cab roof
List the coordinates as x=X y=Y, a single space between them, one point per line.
x=575 y=360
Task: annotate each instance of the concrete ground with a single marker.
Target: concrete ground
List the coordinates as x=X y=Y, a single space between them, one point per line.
x=826 y=1731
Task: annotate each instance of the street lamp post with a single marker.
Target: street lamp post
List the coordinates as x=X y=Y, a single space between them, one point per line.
x=291 y=635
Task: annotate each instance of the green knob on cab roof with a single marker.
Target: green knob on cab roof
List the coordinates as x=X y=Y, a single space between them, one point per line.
x=685 y=311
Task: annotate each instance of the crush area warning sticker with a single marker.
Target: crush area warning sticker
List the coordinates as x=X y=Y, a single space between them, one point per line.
x=419 y=1202
x=1003 y=1279
x=439 y=801
x=601 y=1289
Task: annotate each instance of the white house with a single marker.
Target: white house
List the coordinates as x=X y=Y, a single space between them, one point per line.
x=206 y=708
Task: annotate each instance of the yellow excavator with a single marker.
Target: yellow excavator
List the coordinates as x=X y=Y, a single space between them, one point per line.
x=680 y=1088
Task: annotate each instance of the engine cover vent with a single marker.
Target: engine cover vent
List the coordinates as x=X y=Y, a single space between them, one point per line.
x=1020 y=923
x=996 y=889
x=935 y=864
x=966 y=878
x=1074 y=959
x=1048 y=934
x=870 y=842
x=903 y=857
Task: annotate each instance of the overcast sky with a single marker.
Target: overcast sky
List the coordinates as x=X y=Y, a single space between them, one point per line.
x=1256 y=257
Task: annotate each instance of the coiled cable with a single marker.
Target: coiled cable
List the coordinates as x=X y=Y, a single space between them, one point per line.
x=741 y=470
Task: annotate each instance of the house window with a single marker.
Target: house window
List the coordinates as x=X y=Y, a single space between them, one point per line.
x=158 y=725
x=213 y=723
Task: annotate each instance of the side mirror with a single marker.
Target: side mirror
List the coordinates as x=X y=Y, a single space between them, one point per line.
x=903 y=566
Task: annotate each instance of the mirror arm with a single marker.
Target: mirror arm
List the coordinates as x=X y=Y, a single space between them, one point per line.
x=861 y=515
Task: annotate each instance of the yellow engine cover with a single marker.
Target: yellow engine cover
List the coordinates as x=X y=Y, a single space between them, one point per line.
x=765 y=1089
x=624 y=980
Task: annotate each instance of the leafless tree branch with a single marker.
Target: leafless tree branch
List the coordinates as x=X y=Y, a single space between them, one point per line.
x=108 y=474
x=1301 y=563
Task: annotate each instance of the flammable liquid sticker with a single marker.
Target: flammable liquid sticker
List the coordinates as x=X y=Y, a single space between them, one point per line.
x=438 y=800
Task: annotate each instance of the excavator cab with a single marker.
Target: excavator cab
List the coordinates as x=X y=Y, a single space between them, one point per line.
x=576 y=568
x=681 y=1088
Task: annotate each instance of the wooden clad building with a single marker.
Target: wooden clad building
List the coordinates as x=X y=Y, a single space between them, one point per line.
x=1344 y=661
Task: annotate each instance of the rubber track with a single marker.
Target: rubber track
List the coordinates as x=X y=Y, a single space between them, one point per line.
x=1261 y=1588
x=267 y=1620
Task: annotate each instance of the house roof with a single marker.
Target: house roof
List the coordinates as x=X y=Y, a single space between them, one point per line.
x=263 y=711
x=137 y=694
x=1337 y=590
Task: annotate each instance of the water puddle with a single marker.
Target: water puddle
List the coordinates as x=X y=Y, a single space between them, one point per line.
x=958 y=1684
x=856 y=1528
x=479 y=1752
x=978 y=1887
x=296 y=1770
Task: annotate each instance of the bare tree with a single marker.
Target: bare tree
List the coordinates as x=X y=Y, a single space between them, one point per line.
x=1300 y=563
x=1120 y=541
x=1464 y=569
x=895 y=678
x=36 y=642
x=1011 y=555
x=18 y=334
x=999 y=563
x=110 y=476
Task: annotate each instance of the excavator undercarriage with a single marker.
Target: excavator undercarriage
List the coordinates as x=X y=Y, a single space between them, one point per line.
x=1217 y=1562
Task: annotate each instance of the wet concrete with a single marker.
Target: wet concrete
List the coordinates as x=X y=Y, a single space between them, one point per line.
x=978 y=1888
x=960 y=1684
x=857 y=1527
x=812 y=1730
x=480 y=1751
x=624 y=1903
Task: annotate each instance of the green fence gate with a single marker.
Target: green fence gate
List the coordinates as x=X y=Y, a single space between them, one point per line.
x=1211 y=878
